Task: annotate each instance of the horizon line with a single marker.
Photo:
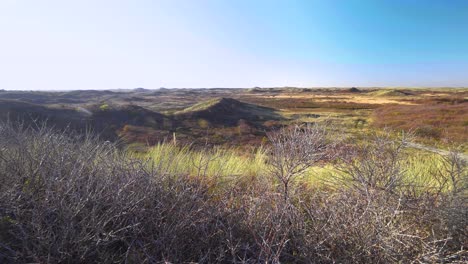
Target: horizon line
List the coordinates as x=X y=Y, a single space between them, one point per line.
x=254 y=87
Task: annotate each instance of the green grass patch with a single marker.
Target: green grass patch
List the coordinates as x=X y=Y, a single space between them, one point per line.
x=200 y=106
x=217 y=162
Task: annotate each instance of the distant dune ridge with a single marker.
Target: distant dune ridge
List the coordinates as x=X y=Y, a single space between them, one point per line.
x=109 y=120
x=227 y=111
x=239 y=116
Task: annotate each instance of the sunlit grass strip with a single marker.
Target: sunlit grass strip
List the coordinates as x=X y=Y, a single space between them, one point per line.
x=217 y=162
x=420 y=169
x=425 y=170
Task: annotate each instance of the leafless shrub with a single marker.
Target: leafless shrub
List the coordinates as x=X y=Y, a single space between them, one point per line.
x=455 y=173
x=453 y=208
x=75 y=199
x=296 y=149
x=346 y=227
x=377 y=164
x=420 y=222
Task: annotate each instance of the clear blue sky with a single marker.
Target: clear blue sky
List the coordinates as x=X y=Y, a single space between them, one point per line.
x=104 y=44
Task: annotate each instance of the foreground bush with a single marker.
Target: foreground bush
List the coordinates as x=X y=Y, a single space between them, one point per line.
x=74 y=199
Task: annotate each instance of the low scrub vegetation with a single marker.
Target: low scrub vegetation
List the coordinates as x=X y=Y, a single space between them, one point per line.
x=440 y=122
x=67 y=198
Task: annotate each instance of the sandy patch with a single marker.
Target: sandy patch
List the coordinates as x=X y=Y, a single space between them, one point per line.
x=342 y=98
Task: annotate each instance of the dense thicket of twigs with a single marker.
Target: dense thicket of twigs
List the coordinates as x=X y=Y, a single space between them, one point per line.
x=74 y=199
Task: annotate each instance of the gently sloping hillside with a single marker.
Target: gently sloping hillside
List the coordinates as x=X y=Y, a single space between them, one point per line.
x=71 y=97
x=390 y=92
x=104 y=120
x=109 y=120
x=118 y=116
x=227 y=112
x=13 y=110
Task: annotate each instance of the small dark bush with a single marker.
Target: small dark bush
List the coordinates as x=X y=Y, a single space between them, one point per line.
x=428 y=132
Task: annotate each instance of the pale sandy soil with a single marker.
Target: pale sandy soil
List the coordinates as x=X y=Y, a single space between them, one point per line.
x=345 y=98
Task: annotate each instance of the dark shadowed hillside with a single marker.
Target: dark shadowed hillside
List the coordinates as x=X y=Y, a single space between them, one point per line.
x=104 y=120
x=128 y=115
x=69 y=97
x=31 y=113
x=227 y=112
x=111 y=119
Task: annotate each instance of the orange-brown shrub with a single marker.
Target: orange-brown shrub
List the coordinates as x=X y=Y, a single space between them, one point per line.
x=432 y=121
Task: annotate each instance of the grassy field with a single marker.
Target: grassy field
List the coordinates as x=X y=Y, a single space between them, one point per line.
x=229 y=164
x=217 y=162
